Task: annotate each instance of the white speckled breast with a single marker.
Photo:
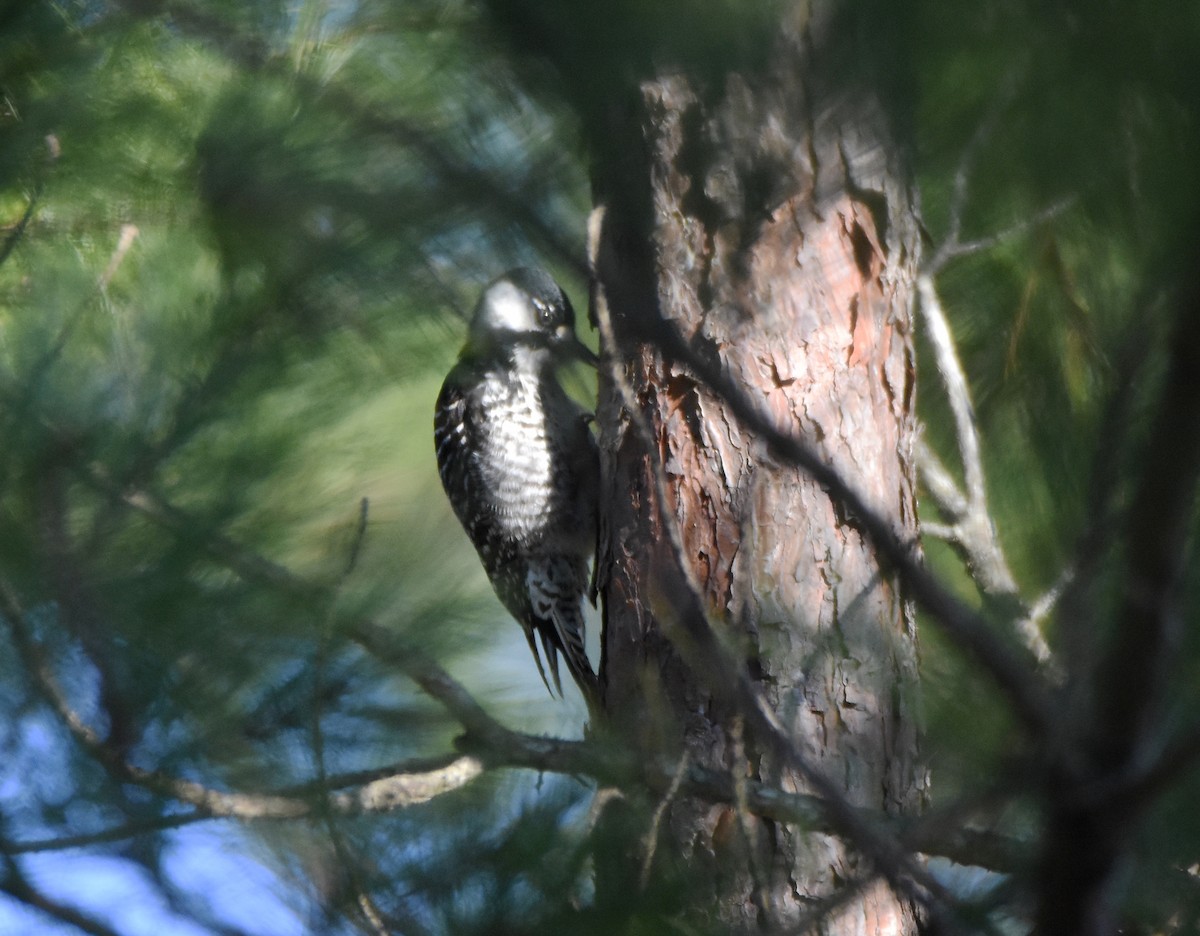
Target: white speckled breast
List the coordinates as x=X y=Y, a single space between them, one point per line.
x=518 y=462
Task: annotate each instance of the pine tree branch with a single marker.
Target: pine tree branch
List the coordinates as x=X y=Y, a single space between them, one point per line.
x=390 y=792
x=487 y=743
x=490 y=745
x=378 y=790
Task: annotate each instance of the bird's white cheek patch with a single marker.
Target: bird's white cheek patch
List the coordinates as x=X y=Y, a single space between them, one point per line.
x=509 y=308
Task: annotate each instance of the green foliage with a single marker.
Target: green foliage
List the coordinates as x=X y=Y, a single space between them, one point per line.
x=237 y=241
x=1061 y=333
x=234 y=239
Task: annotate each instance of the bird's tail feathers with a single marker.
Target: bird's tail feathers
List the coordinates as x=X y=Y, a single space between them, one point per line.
x=555 y=593
x=551 y=658
x=551 y=661
x=568 y=625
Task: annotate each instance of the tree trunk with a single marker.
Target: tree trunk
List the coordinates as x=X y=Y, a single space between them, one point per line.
x=773 y=231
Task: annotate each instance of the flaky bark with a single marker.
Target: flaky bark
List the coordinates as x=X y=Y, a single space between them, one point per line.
x=777 y=238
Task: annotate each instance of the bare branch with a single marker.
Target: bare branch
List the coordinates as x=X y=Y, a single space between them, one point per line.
x=957 y=392
x=1049 y=598
x=43 y=676
x=971 y=529
x=941 y=531
x=400 y=791
x=962 y=172
x=1029 y=625
x=401 y=787
x=952 y=245
x=939 y=482
x=381 y=789
x=954 y=250
x=493 y=745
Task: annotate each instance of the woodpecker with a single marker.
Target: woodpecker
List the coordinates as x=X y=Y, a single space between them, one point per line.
x=520 y=467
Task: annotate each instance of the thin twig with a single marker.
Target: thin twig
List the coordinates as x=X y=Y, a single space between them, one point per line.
x=952 y=245
x=1029 y=626
x=17 y=231
x=347 y=861
x=117 y=833
x=1037 y=219
x=741 y=809
x=954 y=249
x=941 y=531
x=17 y=886
x=125 y=239
x=650 y=839
x=962 y=173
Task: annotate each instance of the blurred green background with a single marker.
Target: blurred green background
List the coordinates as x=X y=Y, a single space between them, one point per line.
x=238 y=244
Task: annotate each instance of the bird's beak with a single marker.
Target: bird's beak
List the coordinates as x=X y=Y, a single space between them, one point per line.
x=569 y=346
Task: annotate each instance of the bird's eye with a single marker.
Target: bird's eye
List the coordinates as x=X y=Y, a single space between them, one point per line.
x=545 y=314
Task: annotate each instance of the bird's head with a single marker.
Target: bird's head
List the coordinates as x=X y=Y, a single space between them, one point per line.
x=526 y=309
